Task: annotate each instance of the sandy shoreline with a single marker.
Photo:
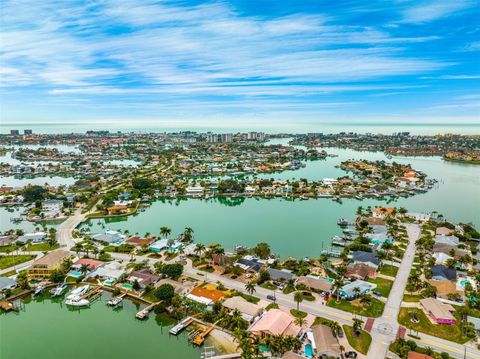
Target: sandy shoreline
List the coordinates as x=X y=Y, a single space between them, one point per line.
x=223 y=341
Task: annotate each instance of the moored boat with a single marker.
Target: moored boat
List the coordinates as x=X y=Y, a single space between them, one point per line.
x=78 y=302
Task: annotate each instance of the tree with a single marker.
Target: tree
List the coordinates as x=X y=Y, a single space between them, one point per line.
x=250 y=287
x=298 y=297
x=300 y=321
x=337 y=285
x=165 y=292
x=141 y=183
x=187 y=235
x=84 y=268
x=34 y=193
x=173 y=270
x=22 y=280
x=262 y=250
x=136 y=285
x=263 y=276
x=357 y=326
x=199 y=249
x=57 y=276
x=165 y=231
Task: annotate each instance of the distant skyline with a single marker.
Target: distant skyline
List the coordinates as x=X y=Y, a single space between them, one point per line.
x=240 y=62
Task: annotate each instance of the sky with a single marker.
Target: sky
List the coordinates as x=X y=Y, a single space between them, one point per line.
x=225 y=62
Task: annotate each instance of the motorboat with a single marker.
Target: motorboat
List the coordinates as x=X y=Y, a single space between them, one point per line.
x=55 y=292
x=115 y=301
x=39 y=289
x=77 y=303
x=78 y=292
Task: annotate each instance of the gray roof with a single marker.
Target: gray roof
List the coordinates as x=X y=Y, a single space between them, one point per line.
x=365 y=257
x=6 y=282
x=277 y=274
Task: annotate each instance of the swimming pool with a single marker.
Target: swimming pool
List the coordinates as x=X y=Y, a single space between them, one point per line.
x=308 y=350
x=75 y=274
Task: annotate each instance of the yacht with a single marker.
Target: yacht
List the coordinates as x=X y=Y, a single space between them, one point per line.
x=55 y=292
x=39 y=289
x=77 y=302
x=78 y=292
x=115 y=301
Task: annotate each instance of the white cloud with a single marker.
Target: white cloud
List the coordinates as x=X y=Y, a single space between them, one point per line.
x=430 y=10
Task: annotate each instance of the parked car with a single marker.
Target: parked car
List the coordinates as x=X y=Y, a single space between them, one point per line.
x=271 y=297
x=378 y=294
x=340 y=332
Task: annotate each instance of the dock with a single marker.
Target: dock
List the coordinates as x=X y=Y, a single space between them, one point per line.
x=331 y=253
x=185 y=322
x=200 y=338
x=92 y=293
x=144 y=312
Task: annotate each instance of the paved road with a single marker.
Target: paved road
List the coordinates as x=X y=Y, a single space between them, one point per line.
x=64 y=232
x=385 y=328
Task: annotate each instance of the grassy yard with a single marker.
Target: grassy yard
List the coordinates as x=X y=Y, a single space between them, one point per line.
x=40 y=247
x=360 y=343
x=8 y=274
x=374 y=309
x=384 y=286
x=11 y=248
x=268 y=285
x=411 y=298
x=298 y=313
x=12 y=260
x=389 y=270
x=448 y=332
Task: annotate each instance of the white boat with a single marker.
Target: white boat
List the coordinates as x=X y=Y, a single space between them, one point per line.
x=55 y=292
x=115 y=301
x=39 y=289
x=77 y=292
x=77 y=303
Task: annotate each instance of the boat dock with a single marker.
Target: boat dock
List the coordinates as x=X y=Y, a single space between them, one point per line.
x=144 y=312
x=331 y=253
x=92 y=294
x=200 y=338
x=185 y=322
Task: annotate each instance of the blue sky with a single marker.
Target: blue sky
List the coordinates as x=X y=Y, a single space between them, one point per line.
x=240 y=61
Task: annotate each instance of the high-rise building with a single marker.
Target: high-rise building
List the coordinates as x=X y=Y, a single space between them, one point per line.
x=226 y=137
x=14 y=132
x=27 y=132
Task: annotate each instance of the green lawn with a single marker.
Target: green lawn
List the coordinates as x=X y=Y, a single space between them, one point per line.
x=268 y=285
x=389 y=270
x=411 y=298
x=8 y=274
x=360 y=343
x=374 y=309
x=298 y=313
x=448 y=332
x=10 y=248
x=40 y=247
x=11 y=260
x=384 y=286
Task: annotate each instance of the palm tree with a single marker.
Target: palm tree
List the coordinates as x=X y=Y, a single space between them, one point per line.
x=84 y=269
x=236 y=320
x=335 y=327
x=298 y=297
x=250 y=287
x=357 y=326
x=337 y=285
x=165 y=231
x=300 y=321
x=199 y=249
x=356 y=291
x=187 y=234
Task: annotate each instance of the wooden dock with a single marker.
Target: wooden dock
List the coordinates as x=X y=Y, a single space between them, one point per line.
x=92 y=293
x=181 y=325
x=144 y=312
x=200 y=338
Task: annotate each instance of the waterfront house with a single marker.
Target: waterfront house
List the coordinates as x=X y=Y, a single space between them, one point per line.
x=252 y=266
x=194 y=191
x=368 y=258
x=110 y=237
x=144 y=277
x=316 y=284
x=275 y=322
x=109 y=271
x=323 y=342
x=206 y=296
x=6 y=240
x=441 y=272
x=138 y=242
x=280 y=274
x=92 y=264
x=7 y=283
x=161 y=244
x=419 y=217
x=438 y=312
x=248 y=310
x=445 y=248
x=117 y=209
x=52 y=205
x=36 y=237
x=441 y=258
x=44 y=266
x=357 y=288
x=375 y=221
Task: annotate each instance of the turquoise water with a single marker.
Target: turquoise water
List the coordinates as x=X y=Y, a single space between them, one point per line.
x=308 y=350
x=301 y=228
